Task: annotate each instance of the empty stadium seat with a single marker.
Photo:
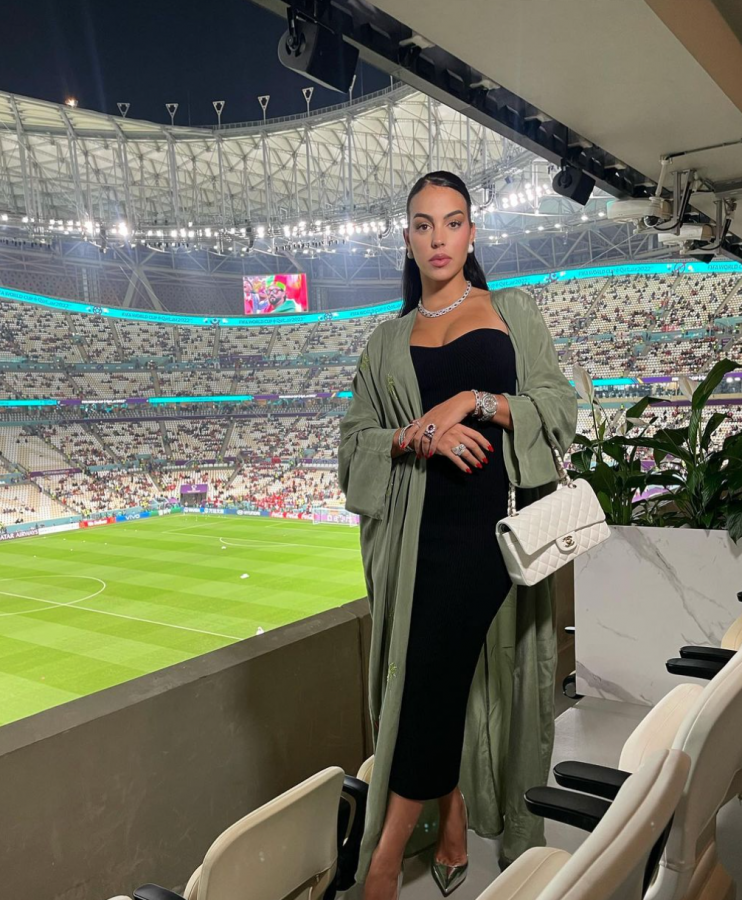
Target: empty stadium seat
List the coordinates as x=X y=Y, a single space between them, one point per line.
x=287 y=847
x=618 y=859
x=706 y=723
x=303 y=844
x=705 y=662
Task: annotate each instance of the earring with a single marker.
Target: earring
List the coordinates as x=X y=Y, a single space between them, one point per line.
x=409 y=255
x=471 y=248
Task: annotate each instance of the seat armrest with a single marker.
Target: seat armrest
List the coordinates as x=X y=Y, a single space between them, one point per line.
x=349 y=839
x=709 y=654
x=590 y=779
x=694 y=668
x=571 y=808
x=155 y=892
x=358 y=790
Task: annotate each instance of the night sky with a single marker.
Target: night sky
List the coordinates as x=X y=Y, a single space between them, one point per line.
x=152 y=52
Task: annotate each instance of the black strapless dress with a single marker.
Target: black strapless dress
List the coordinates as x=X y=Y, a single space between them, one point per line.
x=461 y=580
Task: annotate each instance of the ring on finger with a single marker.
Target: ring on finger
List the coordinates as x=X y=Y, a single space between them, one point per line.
x=459 y=449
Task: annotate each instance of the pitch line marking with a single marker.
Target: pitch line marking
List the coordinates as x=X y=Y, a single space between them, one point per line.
x=101 y=612
x=230 y=542
x=104 y=612
x=208 y=537
x=51 y=602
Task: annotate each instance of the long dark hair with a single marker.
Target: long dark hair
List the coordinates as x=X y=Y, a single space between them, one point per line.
x=412 y=287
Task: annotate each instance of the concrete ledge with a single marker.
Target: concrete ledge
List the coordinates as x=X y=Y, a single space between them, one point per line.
x=133 y=784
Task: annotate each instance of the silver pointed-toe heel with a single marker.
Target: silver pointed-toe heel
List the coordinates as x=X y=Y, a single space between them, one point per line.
x=447 y=877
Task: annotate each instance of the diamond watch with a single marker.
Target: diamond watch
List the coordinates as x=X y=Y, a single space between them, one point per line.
x=488 y=406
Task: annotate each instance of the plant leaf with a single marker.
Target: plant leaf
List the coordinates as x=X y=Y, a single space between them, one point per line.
x=734 y=520
x=638 y=408
x=713 y=423
x=687 y=386
x=583 y=383
x=706 y=387
x=582 y=460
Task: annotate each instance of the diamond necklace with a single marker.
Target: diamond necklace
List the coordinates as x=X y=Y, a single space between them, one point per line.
x=440 y=312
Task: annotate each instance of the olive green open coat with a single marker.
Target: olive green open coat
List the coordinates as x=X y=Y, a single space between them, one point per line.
x=509 y=730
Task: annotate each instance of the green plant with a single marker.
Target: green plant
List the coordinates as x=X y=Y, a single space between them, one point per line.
x=703 y=487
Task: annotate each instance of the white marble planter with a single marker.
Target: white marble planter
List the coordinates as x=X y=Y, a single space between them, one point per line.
x=640 y=596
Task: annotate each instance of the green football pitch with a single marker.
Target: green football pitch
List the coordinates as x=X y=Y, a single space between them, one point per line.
x=84 y=610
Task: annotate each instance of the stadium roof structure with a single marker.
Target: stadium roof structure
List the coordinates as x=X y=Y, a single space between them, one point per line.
x=110 y=179
x=632 y=93
x=358 y=158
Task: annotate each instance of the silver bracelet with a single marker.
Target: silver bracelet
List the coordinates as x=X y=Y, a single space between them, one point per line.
x=401 y=437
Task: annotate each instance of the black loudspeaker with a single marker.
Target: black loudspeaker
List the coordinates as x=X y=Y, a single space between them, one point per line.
x=320 y=55
x=573 y=184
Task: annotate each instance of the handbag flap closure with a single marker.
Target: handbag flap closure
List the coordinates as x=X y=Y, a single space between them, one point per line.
x=567 y=541
x=555 y=518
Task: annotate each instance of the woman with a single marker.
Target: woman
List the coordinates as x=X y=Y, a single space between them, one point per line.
x=461 y=680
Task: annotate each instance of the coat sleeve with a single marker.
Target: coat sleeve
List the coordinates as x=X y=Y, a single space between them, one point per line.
x=529 y=459
x=365 y=449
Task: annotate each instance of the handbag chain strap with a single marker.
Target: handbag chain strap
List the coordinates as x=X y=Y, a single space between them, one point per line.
x=558 y=462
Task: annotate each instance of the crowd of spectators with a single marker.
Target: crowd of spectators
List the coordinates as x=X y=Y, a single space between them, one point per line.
x=100 y=454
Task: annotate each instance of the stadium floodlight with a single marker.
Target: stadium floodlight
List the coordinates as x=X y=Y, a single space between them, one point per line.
x=71 y=102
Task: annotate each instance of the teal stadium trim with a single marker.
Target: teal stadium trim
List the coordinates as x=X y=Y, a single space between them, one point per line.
x=29 y=402
x=685 y=268
x=219 y=398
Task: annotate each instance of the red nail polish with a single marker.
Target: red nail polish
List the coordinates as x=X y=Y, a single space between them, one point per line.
x=479 y=465
x=486 y=461
x=468 y=470
x=489 y=447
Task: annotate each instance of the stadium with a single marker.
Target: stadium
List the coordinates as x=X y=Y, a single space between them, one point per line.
x=187 y=642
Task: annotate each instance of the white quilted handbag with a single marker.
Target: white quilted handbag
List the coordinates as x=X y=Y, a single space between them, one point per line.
x=552 y=531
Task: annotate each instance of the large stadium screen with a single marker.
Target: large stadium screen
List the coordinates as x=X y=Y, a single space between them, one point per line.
x=275 y=294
